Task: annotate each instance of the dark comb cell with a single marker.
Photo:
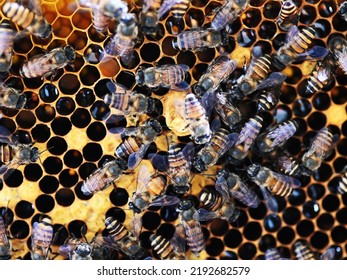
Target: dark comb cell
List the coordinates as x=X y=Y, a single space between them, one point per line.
x=308 y=14
x=321 y=101
x=20 y=229
x=271 y=9
x=65 y=197
x=297 y=197
x=89 y=75
x=272 y=223
x=246 y=37
x=166 y=230
x=85 y=97
x=267 y=241
x=45 y=113
x=44 y=203
x=49 y=93
x=25 y=119
x=69 y=84
x=52 y=165
x=247 y=251
x=251 y=18
x=305 y=228
x=96 y=131
x=15 y=179
x=326 y=8
x=291 y=215
x=99 y=110
x=323 y=173
x=119 y=196
x=61 y=126
x=150 y=52
x=33 y=172
x=331 y=203
x=286 y=235
x=310 y=209
x=65 y=106
x=341 y=216
x=73 y=158
x=219 y=227
x=214 y=246
x=168 y=213
x=93 y=54
x=302 y=107
x=81 y=118
x=57 y=145
x=75 y=228
x=259 y=212
x=267 y=29
x=189 y=57
x=24 y=209
x=68 y=178
x=316 y=191
x=49 y=184
x=252 y=231
x=150 y=220
x=233 y=238
x=325 y=221
x=339 y=234
x=319 y=240
x=41 y=133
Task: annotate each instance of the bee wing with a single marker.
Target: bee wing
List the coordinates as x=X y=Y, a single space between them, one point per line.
x=97 y=178
x=179 y=106
x=222 y=187
x=329 y=254
x=7 y=169
x=114 y=87
x=291 y=181
x=207 y=101
x=293 y=31
x=136 y=225
x=66 y=249
x=246 y=195
x=143 y=176
x=159 y=162
x=165 y=200
x=35 y=5
x=270 y=201
x=205 y=215
x=5 y=136
x=146 y=5
x=188 y=152
x=127 y=57
x=316 y=52
x=181 y=86
x=166 y=5
x=275 y=79
x=232 y=138
x=178 y=240
x=135 y=158
x=126 y=131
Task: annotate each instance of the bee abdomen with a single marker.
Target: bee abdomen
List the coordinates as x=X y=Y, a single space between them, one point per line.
x=129 y=146
x=302 y=252
x=6 y=153
x=196 y=240
x=262 y=67
x=342 y=187
x=116 y=229
x=18 y=14
x=212 y=201
x=161 y=246
x=179 y=9
x=272 y=254
x=281 y=188
x=303 y=40
x=193 y=108
x=100 y=21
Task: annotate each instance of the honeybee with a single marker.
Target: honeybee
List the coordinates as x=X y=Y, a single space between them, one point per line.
x=123 y=42
x=296 y=46
x=320 y=148
x=178 y=9
x=231 y=185
x=277 y=183
x=199 y=125
x=120 y=238
x=343 y=10
x=6 y=46
x=338 y=46
x=76 y=249
x=190 y=226
x=113 y=9
x=176 y=165
x=5 y=244
x=47 y=64
x=149 y=192
x=41 y=239
x=276 y=136
x=227 y=13
x=149 y=16
x=268 y=99
x=137 y=141
x=100 y=21
x=217 y=206
x=219 y=144
x=199 y=39
x=273 y=254
x=217 y=72
x=127 y=101
x=173 y=249
x=246 y=138
x=303 y=252
x=342 y=187
x=13 y=154
x=230 y=115
x=169 y=76
x=31 y=21
x=101 y=178
x=11 y=98
x=290 y=166
x=288 y=16
x=321 y=75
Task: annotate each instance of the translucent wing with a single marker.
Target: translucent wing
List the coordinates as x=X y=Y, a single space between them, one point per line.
x=66 y=249
x=188 y=152
x=135 y=158
x=115 y=87
x=270 y=201
x=329 y=254
x=146 y=5
x=165 y=200
x=275 y=79
x=316 y=52
x=127 y=57
x=205 y=215
x=159 y=162
x=232 y=137
x=222 y=187
x=97 y=178
x=5 y=136
x=291 y=181
x=178 y=240
x=245 y=195
x=292 y=32
x=166 y=5
x=136 y=225
x=143 y=177
x=181 y=86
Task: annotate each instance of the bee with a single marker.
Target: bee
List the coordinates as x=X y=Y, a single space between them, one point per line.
x=136 y=142
x=41 y=239
x=216 y=73
x=321 y=75
x=227 y=13
x=173 y=249
x=199 y=125
x=101 y=178
x=11 y=98
x=47 y=64
x=276 y=183
x=123 y=42
x=113 y=9
x=229 y=114
x=178 y=9
x=127 y=101
x=273 y=254
x=342 y=187
x=268 y=99
x=288 y=16
x=246 y=138
x=296 y=46
x=217 y=206
x=169 y=76
x=31 y=21
x=176 y=165
x=76 y=249
x=13 y=154
x=120 y=238
x=219 y=144
x=290 y=166
x=6 y=46
x=276 y=136
x=338 y=46
x=149 y=192
x=149 y=16
x=303 y=252
x=343 y=10
x=230 y=185
x=5 y=244
x=190 y=226
x=320 y=148
x=100 y=21
x=199 y=39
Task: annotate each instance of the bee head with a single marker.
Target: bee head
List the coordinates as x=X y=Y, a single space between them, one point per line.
x=34 y=154
x=155 y=125
x=204 y=86
x=83 y=249
x=149 y=23
x=202 y=139
x=133 y=207
x=140 y=77
x=45 y=30
x=245 y=87
x=128 y=19
x=253 y=170
x=199 y=164
x=69 y=53
x=184 y=204
x=181 y=189
x=199 y=90
x=21 y=101
x=122 y=164
x=222 y=173
x=241 y=3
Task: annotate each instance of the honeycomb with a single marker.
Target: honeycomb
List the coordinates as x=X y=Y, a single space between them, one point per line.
x=66 y=118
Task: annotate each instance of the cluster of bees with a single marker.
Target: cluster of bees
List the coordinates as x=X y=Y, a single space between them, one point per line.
x=219 y=133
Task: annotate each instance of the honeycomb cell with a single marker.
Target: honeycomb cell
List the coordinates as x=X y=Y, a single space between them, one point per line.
x=32 y=100
x=325 y=221
x=297 y=197
x=62 y=27
x=305 y=228
x=119 y=196
x=267 y=241
x=150 y=52
x=57 y=145
x=337 y=23
x=69 y=84
x=93 y=54
x=116 y=213
x=44 y=203
x=322 y=28
x=267 y=29
x=126 y=78
x=33 y=172
x=233 y=238
x=85 y=97
x=75 y=228
x=20 y=229
x=288 y=94
x=52 y=165
x=271 y=9
x=150 y=220
x=24 y=209
x=100 y=111
x=323 y=173
x=286 y=235
x=321 y=101
x=291 y=215
x=45 y=113
x=81 y=118
x=317 y=120
x=65 y=197
x=89 y=75
x=241 y=220
x=339 y=95
x=308 y=14
x=219 y=227
x=41 y=133
x=251 y=18
x=23 y=46
x=168 y=213
x=252 y=231
x=166 y=230
x=246 y=37
x=331 y=203
x=49 y=184
x=319 y=240
x=316 y=191
x=311 y=209
x=214 y=246
x=247 y=251
x=189 y=58
x=302 y=107
x=272 y=222
x=48 y=93
x=282 y=113
x=86 y=169
x=341 y=146
x=92 y=152
x=15 y=179
x=73 y=158
x=259 y=212
x=96 y=131
x=68 y=178
x=194 y=18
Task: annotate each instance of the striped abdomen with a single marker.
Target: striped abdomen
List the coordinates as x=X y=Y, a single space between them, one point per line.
x=130 y=145
x=171 y=75
x=323 y=142
x=197 y=39
x=272 y=254
x=128 y=102
x=7 y=153
x=288 y=15
x=195 y=237
x=156 y=185
x=278 y=186
x=193 y=109
x=6 y=46
x=302 y=41
x=318 y=79
x=218 y=145
x=342 y=187
x=176 y=158
x=161 y=246
x=212 y=200
x=303 y=252
x=39 y=66
x=178 y=10
x=4 y=241
x=100 y=21
x=267 y=100
x=116 y=229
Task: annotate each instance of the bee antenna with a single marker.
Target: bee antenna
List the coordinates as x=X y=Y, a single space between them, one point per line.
x=45 y=150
